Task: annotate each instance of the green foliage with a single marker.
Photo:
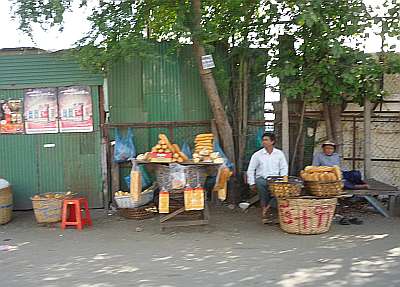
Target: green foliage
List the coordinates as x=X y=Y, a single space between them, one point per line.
x=323 y=67
x=313 y=61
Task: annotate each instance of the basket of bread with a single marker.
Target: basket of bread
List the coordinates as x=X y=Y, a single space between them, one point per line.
x=322 y=181
x=285 y=186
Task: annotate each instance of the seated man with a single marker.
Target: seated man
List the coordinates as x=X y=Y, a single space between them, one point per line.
x=266 y=162
x=329 y=157
x=352 y=179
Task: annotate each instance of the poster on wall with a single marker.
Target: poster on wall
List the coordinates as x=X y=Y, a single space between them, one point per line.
x=41 y=111
x=75 y=106
x=11 y=117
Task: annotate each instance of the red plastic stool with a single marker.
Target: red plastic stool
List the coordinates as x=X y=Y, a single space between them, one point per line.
x=74 y=216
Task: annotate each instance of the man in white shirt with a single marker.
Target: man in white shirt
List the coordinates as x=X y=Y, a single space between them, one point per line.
x=266 y=162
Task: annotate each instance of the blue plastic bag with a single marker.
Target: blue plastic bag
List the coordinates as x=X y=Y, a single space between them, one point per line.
x=218 y=149
x=186 y=150
x=260 y=133
x=146 y=180
x=124 y=148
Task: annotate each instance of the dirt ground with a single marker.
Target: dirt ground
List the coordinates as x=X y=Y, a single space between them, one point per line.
x=234 y=250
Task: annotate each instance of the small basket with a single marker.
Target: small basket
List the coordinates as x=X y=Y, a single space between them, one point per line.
x=6 y=205
x=126 y=201
x=47 y=210
x=283 y=189
x=306 y=215
x=324 y=189
x=139 y=213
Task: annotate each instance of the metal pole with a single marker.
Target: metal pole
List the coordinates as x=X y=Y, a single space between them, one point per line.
x=354 y=141
x=285 y=127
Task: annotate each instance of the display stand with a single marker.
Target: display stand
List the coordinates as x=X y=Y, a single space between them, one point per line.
x=179 y=216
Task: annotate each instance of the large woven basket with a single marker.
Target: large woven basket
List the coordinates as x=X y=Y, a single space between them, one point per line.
x=306 y=215
x=324 y=189
x=195 y=175
x=6 y=205
x=138 y=213
x=47 y=210
x=283 y=189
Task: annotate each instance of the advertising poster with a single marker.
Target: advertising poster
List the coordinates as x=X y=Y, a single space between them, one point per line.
x=75 y=106
x=41 y=111
x=11 y=117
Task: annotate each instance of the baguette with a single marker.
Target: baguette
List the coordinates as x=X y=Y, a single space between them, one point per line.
x=183 y=156
x=135 y=185
x=209 y=135
x=167 y=142
x=176 y=148
x=338 y=172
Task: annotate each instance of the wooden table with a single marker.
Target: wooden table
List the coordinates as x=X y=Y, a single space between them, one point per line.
x=379 y=188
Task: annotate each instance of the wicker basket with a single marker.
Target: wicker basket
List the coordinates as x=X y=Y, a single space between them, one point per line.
x=6 y=205
x=283 y=189
x=324 y=189
x=139 y=213
x=306 y=215
x=47 y=210
x=126 y=201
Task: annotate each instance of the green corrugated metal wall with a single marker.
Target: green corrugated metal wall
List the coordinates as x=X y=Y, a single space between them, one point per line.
x=74 y=163
x=36 y=70
x=166 y=87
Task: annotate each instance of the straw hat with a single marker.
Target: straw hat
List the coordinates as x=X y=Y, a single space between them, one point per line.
x=328 y=143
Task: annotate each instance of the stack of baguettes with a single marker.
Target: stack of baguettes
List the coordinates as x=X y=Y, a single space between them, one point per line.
x=204 y=143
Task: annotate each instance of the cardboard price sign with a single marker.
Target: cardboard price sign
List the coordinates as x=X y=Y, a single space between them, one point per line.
x=194 y=198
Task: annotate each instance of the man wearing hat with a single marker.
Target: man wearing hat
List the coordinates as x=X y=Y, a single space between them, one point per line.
x=328 y=156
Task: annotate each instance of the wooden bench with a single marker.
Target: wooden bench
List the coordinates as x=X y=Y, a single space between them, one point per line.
x=375 y=188
x=379 y=188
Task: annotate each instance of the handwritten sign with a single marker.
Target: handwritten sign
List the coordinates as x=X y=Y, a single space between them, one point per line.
x=318 y=215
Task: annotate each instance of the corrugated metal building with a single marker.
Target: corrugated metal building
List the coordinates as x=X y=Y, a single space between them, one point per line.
x=163 y=87
x=74 y=161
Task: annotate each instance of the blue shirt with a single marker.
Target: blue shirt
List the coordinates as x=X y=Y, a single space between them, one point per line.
x=321 y=159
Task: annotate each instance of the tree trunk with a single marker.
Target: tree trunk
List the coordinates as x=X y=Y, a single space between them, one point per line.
x=285 y=127
x=207 y=78
x=242 y=116
x=367 y=139
x=336 y=121
x=298 y=138
x=328 y=124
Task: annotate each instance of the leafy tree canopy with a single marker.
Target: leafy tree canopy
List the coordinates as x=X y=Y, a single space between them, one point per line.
x=313 y=46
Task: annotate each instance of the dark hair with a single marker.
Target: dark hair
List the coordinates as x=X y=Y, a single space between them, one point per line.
x=270 y=135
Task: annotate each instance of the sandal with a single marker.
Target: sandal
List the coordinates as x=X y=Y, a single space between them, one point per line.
x=344 y=221
x=266 y=219
x=356 y=221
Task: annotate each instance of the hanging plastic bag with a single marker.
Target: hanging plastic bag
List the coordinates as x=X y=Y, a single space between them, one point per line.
x=163 y=201
x=260 y=133
x=186 y=150
x=227 y=162
x=194 y=197
x=177 y=175
x=136 y=183
x=124 y=148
